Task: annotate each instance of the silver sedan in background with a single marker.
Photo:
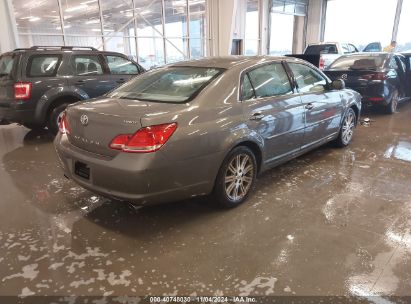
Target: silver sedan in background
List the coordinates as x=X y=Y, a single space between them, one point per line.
x=202 y=127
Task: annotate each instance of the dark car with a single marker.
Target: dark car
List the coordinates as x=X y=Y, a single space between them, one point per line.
x=203 y=126
x=373 y=47
x=36 y=84
x=381 y=78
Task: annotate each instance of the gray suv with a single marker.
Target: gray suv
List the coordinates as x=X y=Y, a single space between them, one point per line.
x=37 y=84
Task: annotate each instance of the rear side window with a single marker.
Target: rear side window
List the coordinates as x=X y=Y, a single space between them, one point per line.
x=85 y=65
x=121 y=66
x=308 y=79
x=321 y=49
x=268 y=80
x=248 y=90
x=43 y=65
x=6 y=65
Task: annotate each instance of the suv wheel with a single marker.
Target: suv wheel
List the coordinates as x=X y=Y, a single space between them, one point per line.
x=236 y=178
x=54 y=118
x=347 y=129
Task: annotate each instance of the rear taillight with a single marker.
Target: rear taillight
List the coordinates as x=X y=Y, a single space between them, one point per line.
x=63 y=124
x=22 y=90
x=322 y=63
x=375 y=76
x=145 y=140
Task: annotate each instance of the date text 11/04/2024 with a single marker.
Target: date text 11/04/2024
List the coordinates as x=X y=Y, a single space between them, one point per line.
x=202 y=299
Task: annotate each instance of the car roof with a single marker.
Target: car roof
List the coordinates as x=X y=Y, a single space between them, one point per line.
x=227 y=62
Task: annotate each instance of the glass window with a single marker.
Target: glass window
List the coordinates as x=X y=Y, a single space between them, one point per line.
x=197 y=48
x=81 y=18
x=247 y=89
x=317 y=49
x=373 y=47
x=359 y=62
x=118 y=17
x=149 y=19
x=176 y=49
x=96 y=42
x=174 y=84
x=393 y=64
x=121 y=66
x=270 y=80
x=308 y=80
x=6 y=65
x=282 y=32
x=363 y=15
x=43 y=65
x=151 y=52
x=86 y=65
x=197 y=11
x=404 y=33
x=251 y=28
x=345 y=48
x=37 y=17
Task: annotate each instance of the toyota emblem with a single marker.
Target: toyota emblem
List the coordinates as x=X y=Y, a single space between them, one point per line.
x=84 y=120
x=344 y=76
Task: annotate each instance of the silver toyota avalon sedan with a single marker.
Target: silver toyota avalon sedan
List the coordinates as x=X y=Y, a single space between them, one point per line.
x=202 y=127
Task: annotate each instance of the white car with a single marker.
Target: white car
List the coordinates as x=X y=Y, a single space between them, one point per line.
x=329 y=51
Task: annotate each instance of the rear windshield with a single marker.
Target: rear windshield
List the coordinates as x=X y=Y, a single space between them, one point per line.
x=321 y=49
x=172 y=84
x=6 y=65
x=354 y=62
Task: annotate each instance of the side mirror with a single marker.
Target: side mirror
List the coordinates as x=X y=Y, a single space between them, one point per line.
x=338 y=85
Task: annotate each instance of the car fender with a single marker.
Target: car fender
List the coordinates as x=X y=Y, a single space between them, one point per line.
x=242 y=136
x=55 y=94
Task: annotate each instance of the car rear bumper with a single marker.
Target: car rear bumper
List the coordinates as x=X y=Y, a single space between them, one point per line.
x=139 y=178
x=373 y=95
x=10 y=115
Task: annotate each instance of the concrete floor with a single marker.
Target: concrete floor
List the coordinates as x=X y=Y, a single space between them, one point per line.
x=333 y=222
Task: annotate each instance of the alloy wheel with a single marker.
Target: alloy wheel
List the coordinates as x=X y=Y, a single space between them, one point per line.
x=239 y=177
x=348 y=127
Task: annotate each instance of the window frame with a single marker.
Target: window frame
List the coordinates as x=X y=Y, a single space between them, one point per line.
x=139 y=69
x=327 y=80
x=245 y=72
x=101 y=60
x=30 y=63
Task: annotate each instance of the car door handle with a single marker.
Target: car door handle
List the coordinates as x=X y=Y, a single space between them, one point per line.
x=121 y=80
x=80 y=82
x=257 y=116
x=309 y=106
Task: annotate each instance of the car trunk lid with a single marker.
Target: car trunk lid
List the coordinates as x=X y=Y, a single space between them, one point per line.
x=355 y=79
x=94 y=124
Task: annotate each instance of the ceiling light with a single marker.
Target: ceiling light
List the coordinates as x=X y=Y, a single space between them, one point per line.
x=88 y=2
x=76 y=8
x=66 y=26
x=93 y=21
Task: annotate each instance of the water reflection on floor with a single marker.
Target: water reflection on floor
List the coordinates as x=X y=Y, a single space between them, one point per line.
x=333 y=222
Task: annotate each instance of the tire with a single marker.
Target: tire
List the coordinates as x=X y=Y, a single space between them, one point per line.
x=55 y=115
x=33 y=127
x=230 y=194
x=391 y=108
x=347 y=129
